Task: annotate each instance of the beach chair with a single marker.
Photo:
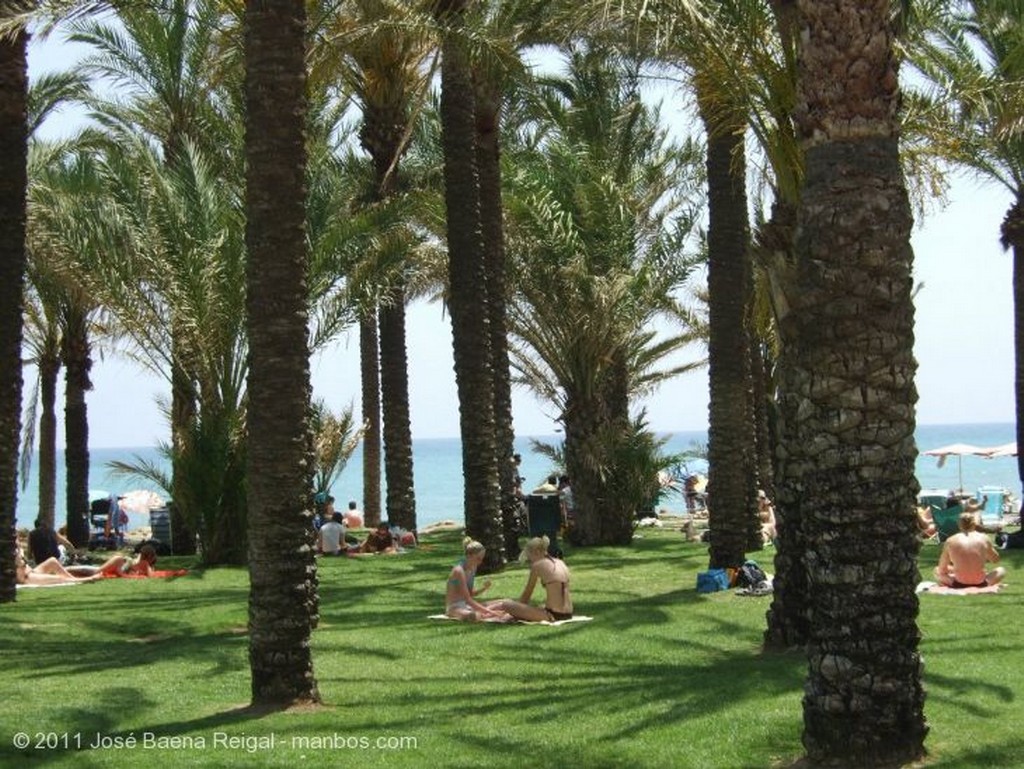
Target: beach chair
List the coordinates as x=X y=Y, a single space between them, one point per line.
x=544 y=518
x=947 y=521
x=995 y=498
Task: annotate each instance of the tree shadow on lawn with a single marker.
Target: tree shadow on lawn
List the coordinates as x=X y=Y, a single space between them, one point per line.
x=552 y=679
x=131 y=639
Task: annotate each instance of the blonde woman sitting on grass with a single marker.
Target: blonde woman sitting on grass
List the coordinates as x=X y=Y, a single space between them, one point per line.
x=554 y=577
x=460 y=597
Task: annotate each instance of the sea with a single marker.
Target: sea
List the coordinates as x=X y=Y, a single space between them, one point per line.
x=437 y=471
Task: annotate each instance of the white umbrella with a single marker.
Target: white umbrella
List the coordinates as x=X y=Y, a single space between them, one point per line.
x=140 y=501
x=1006 y=450
x=958 y=450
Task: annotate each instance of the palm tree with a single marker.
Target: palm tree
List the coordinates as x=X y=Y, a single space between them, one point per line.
x=42 y=337
x=161 y=61
x=853 y=372
x=68 y=232
x=597 y=221
x=972 y=54
x=466 y=275
x=13 y=183
x=282 y=599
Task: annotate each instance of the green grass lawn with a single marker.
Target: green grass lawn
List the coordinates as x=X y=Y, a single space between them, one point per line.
x=661 y=677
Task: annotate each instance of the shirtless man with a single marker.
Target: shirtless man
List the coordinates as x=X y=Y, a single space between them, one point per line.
x=964 y=555
x=553 y=575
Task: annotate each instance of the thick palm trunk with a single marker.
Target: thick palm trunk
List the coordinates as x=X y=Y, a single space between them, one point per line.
x=732 y=514
x=369 y=362
x=853 y=375
x=394 y=381
x=13 y=182
x=588 y=426
x=49 y=370
x=283 y=596
x=77 y=363
x=382 y=133
x=488 y=154
x=788 y=615
x=470 y=326
x=1013 y=237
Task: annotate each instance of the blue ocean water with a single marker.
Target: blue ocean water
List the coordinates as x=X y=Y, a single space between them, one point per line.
x=437 y=470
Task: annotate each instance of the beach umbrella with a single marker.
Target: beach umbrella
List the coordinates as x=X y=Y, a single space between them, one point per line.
x=958 y=450
x=140 y=501
x=1006 y=450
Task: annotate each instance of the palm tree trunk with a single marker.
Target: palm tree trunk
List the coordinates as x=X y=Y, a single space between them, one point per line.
x=466 y=275
x=13 y=183
x=382 y=138
x=282 y=571
x=183 y=414
x=787 y=617
x=49 y=371
x=1013 y=237
x=488 y=155
x=853 y=377
x=369 y=362
x=394 y=381
x=732 y=514
x=77 y=363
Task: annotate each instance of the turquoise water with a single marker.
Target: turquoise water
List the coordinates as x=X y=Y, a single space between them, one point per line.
x=437 y=469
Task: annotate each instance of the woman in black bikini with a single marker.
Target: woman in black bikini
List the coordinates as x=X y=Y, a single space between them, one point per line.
x=553 y=574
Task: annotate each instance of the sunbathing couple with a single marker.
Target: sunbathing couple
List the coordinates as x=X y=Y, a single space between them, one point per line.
x=460 y=598
x=964 y=555
x=51 y=572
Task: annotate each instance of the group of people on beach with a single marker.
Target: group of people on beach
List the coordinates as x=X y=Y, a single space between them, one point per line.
x=461 y=595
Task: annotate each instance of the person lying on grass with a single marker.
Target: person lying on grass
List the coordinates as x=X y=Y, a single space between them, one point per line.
x=964 y=555
x=460 y=597
x=554 y=577
x=49 y=572
x=142 y=566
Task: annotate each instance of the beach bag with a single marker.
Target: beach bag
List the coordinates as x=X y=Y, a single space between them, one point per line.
x=750 y=575
x=712 y=580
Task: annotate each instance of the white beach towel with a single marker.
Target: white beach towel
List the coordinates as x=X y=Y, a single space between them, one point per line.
x=936 y=589
x=52 y=584
x=577 y=618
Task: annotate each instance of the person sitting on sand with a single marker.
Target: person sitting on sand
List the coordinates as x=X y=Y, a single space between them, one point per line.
x=49 y=572
x=460 y=596
x=554 y=577
x=380 y=540
x=964 y=555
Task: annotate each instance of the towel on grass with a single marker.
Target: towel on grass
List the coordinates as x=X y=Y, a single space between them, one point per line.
x=577 y=618
x=53 y=584
x=936 y=589
x=154 y=573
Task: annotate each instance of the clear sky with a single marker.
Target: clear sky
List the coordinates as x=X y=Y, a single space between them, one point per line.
x=964 y=337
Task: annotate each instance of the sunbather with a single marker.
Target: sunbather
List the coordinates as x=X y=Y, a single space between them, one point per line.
x=554 y=577
x=964 y=555
x=49 y=572
x=142 y=566
x=460 y=595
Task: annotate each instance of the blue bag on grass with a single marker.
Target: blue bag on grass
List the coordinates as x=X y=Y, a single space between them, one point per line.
x=712 y=580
